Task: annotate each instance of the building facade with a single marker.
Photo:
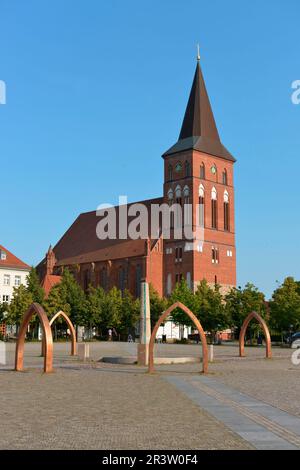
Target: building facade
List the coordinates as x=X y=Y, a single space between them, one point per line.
x=198 y=174
x=13 y=273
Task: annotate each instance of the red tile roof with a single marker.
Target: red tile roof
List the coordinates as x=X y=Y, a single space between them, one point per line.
x=80 y=243
x=49 y=281
x=12 y=261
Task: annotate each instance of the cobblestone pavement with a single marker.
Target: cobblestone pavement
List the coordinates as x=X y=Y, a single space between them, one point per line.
x=106 y=406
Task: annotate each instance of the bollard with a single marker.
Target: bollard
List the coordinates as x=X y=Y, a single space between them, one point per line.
x=83 y=351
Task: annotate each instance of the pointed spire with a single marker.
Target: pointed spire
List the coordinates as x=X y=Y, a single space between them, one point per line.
x=199 y=130
x=199 y=120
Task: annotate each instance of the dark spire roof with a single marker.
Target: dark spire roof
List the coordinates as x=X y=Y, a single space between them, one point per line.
x=199 y=130
x=199 y=119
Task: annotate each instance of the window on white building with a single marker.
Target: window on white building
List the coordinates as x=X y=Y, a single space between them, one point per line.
x=6 y=279
x=2 y=255
x=17 y=280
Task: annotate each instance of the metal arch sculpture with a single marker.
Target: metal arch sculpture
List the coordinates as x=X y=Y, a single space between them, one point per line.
x=266 y=333
x=47 y=333
x=71 y=328
x=197 y=325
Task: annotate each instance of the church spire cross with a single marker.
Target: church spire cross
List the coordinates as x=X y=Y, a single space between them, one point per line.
x=198 y=53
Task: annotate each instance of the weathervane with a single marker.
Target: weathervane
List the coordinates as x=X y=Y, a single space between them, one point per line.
x=198 y=52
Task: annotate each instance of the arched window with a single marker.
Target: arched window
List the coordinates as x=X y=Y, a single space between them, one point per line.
x=178 y=214
x=187 y=206
x=103 y=278
x=170 y=172
x=201 y=205
x=178 y=194
x=170 y=196
x=170 y=202
x=202 y=171
x=225 y=177
x=226 y=212
x=214 y=209
x=186 y=194
x=187 y=167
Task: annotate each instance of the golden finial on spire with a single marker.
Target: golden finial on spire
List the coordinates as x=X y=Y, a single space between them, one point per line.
x=198 y=53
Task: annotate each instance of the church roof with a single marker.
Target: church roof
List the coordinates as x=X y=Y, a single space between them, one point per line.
x=199 y=130
x=80 y=243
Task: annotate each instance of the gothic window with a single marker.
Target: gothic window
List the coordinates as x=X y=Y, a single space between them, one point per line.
x=178 y=254
x=170 y=172
x=201 y=205
x=214 y=255
x=224 y=177
x=202 y=171
x=178 y=215
x=214 y=209
x=103 y=278
x=187 y=208
x=178 y=278
x=226 y=212
x=187 y=166
x=86 y=280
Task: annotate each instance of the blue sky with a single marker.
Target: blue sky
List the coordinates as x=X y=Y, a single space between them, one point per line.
x=96 y=92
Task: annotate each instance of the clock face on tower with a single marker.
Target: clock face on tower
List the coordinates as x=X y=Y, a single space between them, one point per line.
x=178 y=167
x=213 y=170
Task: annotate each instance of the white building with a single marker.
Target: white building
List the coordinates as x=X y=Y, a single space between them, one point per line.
x=13 y=273
x=173 y=331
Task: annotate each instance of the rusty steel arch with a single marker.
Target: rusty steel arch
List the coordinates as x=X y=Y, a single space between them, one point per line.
x=197 y=325
x=265 y=329
x=47 y=334
x=71 y=328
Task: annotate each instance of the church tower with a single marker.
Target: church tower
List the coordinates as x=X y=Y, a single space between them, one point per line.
x=198 y=170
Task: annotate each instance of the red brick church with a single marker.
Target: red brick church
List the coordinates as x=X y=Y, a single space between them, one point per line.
x=198 y=170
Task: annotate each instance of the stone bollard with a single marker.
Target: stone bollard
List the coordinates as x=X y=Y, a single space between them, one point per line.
x=83 y=351
x=145 y=325
x=211 y=353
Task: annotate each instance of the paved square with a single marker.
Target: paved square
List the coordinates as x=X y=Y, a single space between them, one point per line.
x=242 y=403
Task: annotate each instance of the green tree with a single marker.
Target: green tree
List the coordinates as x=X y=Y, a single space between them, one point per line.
x=94 y=307
x=285 y=306
x=112 y=310
x=56 y=301
x=21 y=301
x=4 y=309
x=74 y=296
x=182 y=293
x=130 y=312
x=240 y=302
x=210 y=308
x=157 y=305
x=33 y=286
